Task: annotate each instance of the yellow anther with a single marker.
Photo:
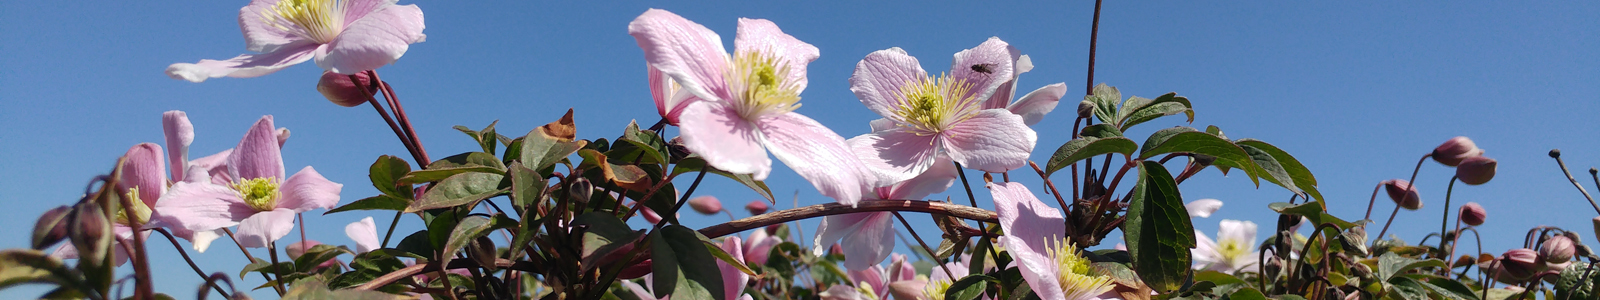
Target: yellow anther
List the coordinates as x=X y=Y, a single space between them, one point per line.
x=259 y=193
x=758 y=86
x=1076 y=277
x=931 y=104
x=140 y=211
x=318 y=20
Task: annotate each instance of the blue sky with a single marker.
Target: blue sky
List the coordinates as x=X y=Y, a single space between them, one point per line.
x=1356 y=90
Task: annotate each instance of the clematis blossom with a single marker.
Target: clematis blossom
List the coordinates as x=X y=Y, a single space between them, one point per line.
x=364 y=233
x=927 y=116
x=759 y=247
x=143 y=180
x=256 y=197
x=1234 y=248
x=939 y=282
x=344 y=36
x=874 y=283
x=1035 y=236
x=868 y=237
x=746 y=101
x=669 y=97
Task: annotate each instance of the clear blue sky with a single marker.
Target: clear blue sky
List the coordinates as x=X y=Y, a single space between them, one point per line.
x=1356 y=90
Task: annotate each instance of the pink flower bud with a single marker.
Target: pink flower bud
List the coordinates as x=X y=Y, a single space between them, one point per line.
x=1476 y=170
x=756 y=207
x=1403 y=194
x=297 y=249
x=1473 y=214
x=51 y=227
x=1521 y=262
x=1596 y=222
x=836 y=249
x=706 y=205
x=1557 y=249
x=1453 y=151
x=649 y=215
x=340 y=90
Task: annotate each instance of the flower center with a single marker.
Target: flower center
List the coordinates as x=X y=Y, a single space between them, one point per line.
x=1075 y=276
x=931 y=104
x=1230 y=249
x=260 y=193
x=140 y=211
x=758 y=86
x=318 y=20
x=866 y=290
x=936 y=289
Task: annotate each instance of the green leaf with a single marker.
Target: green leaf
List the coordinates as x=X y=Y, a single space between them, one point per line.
x=317 y=255
x=1573 y=283
x=639 y=147
x=385 y=174
x=267 y=267
x=456 y=164
x=968 y=288
x=313 y=289
x=549 y=144
x=1086 y=147
x=630 y=177
x=1407 y=288
x=485 y=138
x=1217 y=277
x=1390 y=265
x=695 y=163
x=1143 y=110
x=1248 y=293
x=1105 y=99
x=682 y=266
x=1298 y=172
x=1452 y=289
x=459 y=189
x=1312 y=211
x=416 y=243
x=379 y=202
x=1158 y=231
x=22 y=266
x=603 y=234
x=1101 y=131
x=1188 y=140
x=1265 y=165
x=527 y=187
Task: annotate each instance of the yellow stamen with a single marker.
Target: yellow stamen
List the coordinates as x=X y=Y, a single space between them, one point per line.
x=140 y=211
x=936 y=289
x=866 y=290
x=758 y=86
x=259 y=193
x=318 y=20
x=931 y=104
x=1076 y=278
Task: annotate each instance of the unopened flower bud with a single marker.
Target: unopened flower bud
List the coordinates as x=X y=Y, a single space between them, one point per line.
x=836 y=249
x=580 y=190
x=51 y=227
x=677 y=150
x=90 y=232
x=1476 y=170
x=649 y=215
x=340 y=90
x=706 y=205
x=1521 y=262
x=908 y=289
x=1085 y=109
x=1557 y=249
x=297 y=249
x=1464 y=260
x=1473 y=214
x=756 y=207
x=1453 y=151
x=1403 y=194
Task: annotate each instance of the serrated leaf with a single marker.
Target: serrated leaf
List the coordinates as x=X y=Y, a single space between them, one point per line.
x=385 y=174
x=1188 y=140
x=680 y=265
x=459 y=189
x=456 y=164
x=969 y=288
x=1086 y=147
x=379 y=202
x=1158 y=231
x=695 y=163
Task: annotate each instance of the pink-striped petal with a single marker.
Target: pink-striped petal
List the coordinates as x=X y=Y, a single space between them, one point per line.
x=244 y=65
x=377 y=39
x=878 y=77
x=759 y=247
x=985 y=67
x=354 y=10
x=895 y=155
x=261 y=36
x=212 y=168
x=733 y=281
x=1030 y=226
x=936 y=179
x=1033 y=106
x=144 y=170
x=364 y=233
x=308 y=190
x=201 y=206
x=764 y=36
x=670 y=100
x=265 y=227
x=724 y=139
x=1004 y=93
x=867 y=238
x=180 y=133
x=257 y=155
x=992 y=140
x=1203 y=207
x=818 y=154
x=685 y=50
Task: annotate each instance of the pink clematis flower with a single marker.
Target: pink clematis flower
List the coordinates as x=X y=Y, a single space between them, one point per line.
x=670 y=98
x=364 y=233
x=746 y=101
x=939 y=282
x=1033 y=106
x=874 y=283
x=143 y=180
x=345 y=37
x=927 y=116
x=759 y=247
x=256 y=197
x=869 y=237
x=1035 y=236
x=1234 y=249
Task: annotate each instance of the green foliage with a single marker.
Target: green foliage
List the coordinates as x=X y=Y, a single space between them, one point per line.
x=1158 y=231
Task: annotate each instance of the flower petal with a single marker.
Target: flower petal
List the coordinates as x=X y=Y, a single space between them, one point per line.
x=265 y=227
x=1203 y=207
x=670 y=100
x=685 y=50
x=994 y=56
x=1205 y=251
x=724 y=139
x=1003 y=94
x=364 y=233
x=879 y=76
x=638 y=291
x=936 y=179
x=895 y=155
x=261 y=36
x=871 y=242
x=212 y=168
x=244 y=65
x=179 y=133
x=201 y=206
x=1033 y=106
x=1024 y=217
x=308 y=190
x=354 y=10
x=759 y=247
x=1243 y=231
x=377 y=39
x=992 y=140
x=1038 y=270
x=872 y=277
x=818 y=154
x=257 y=155
x=762 y=35
x=144 y=170
x=733 y=281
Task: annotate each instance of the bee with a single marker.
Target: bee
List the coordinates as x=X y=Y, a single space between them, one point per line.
x=983 y=68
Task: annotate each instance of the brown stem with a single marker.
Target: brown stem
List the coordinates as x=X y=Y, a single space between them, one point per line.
x=1094 y=36
x=924 y=244
x=1557 y=156
x=1372 y=202
x=819 y=210
x=143 y=288
x=272 y=251
x=400 y=113
x=196 y=268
